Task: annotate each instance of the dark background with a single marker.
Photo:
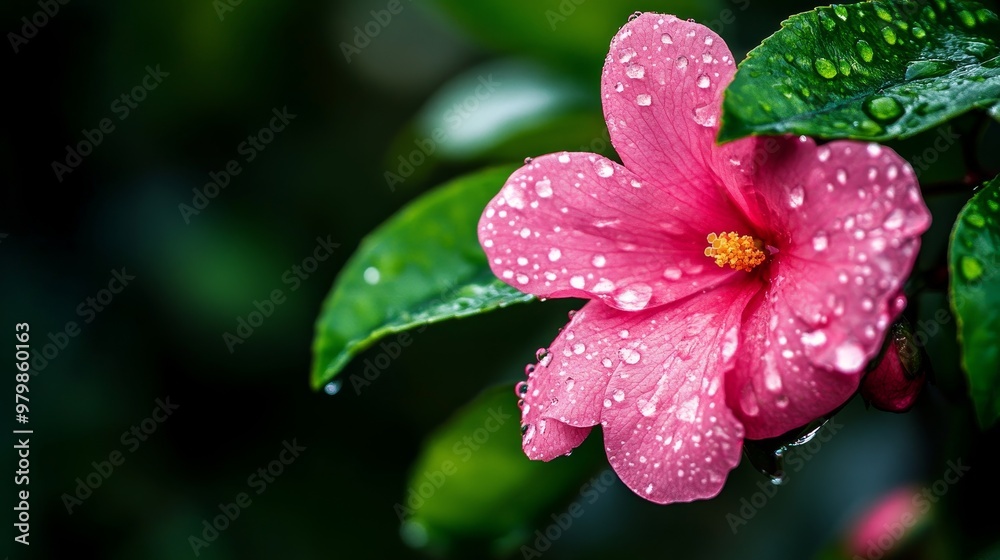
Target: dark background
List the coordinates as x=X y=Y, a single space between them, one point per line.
x=323 y=176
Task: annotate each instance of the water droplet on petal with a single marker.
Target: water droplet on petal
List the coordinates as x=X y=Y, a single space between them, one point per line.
x=796 y=196
x=604 y=168
x=629 y=356
x=666 y=39
x=704 y=81
x=544 y=188
x=643 y=100
x=895 y=219
x=705 y=115
x=820 y=241
x=521 y=389
x=849 y=357
x=634 y=297
x=636 y=71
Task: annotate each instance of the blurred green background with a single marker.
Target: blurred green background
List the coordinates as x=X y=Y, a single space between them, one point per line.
x=366 y=87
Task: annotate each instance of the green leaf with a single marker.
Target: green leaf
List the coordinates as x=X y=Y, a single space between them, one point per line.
x=875 y=70
x=421 y=266
x=974 y=267
x=473 y=483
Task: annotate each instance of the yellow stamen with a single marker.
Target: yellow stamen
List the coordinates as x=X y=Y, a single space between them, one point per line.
x=741 y=252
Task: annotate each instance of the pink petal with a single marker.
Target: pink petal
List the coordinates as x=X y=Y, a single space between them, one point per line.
x=667 y=429
x=846 y=220
x=662 y=88
x=565 y=391
x=580 y=225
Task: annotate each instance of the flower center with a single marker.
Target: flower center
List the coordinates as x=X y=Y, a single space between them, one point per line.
x=741 y=252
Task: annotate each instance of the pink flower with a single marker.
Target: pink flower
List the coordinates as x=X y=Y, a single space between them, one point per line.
x=685 y=348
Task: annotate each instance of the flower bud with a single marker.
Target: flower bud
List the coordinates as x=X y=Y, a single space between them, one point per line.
x=895 y=383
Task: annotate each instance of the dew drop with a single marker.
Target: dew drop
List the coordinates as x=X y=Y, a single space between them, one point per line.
x=666 y=39
x=970 y=267
x=895 y=219
x=372 y=275
x=629 y=356
x=864 y=50
x=521 y=389
x=636 y=71
x=599 y=261
x=618 y=395
x=648 y=409
x=681 y=62
x=814 y=338
x=604 y=168
x=634 y=297
x=889 y=35
x=643 y=100
x=544 y=188
x=704 y=81
x=883 y=108
x=705 y=115
x=849 y=357
x=820 y=241
x=528 y=433
x=825 y=68
x=577 y=282
x=554 y=254
x=333 y=387
x=672 y=274
x=796 y=196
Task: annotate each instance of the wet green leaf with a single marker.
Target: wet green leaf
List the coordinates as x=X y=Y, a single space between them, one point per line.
x=974 y=268
x=421 y=266
x=874 y=70
x=473 y=483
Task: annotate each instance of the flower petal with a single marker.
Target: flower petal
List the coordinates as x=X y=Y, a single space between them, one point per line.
x=847 y=219
x=667 y=429
x=662 y=88
x=564 y=392
x=580 y=225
